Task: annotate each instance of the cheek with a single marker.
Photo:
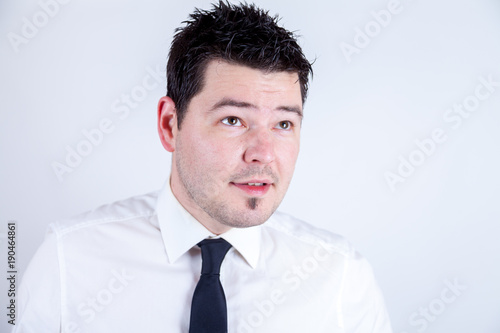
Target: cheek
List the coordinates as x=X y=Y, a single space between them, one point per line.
x=291 y=159
x=288 y=150
x=216 y=155
x=287 y=157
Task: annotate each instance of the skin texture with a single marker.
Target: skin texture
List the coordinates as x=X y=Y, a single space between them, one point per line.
x=242 y=127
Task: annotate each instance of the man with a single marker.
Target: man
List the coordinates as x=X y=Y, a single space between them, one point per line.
x=237 y=83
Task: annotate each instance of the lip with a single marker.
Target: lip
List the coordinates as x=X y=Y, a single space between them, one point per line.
x=254 y=191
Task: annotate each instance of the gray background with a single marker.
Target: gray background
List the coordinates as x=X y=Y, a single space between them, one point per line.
x=363 y=115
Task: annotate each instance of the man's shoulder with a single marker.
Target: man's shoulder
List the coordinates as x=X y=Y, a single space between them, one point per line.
x=303 y=232
x=133 y=208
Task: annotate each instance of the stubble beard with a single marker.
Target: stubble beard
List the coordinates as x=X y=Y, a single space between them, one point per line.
x=199 y=188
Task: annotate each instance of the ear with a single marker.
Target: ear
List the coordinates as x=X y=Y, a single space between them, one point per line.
x=167 y=123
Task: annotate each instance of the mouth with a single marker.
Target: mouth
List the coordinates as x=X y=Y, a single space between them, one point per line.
x=254 y=188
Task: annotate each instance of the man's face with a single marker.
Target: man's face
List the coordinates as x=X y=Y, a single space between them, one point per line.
x=235 y=153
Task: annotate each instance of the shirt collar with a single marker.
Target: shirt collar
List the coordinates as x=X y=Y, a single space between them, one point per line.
x=181 y=231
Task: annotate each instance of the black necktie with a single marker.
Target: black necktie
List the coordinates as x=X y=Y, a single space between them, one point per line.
x=208 y=309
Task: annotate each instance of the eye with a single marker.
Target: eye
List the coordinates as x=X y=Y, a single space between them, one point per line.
x=284 y=125
x=231 y=121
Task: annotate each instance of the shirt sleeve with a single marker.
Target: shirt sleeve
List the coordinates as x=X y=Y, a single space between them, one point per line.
x=39 y=295
x=362 y=304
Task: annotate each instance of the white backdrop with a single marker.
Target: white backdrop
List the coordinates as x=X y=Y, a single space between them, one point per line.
x=399 y=144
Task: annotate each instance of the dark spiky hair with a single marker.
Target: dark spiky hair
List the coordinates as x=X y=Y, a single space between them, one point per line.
x=242 y=34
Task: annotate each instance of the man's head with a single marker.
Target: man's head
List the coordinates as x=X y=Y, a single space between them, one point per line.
x=237 y=82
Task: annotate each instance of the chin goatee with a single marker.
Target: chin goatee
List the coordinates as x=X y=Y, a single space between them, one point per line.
x=252 y=203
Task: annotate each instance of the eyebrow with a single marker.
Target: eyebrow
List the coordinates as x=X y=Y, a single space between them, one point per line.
x=240 y=104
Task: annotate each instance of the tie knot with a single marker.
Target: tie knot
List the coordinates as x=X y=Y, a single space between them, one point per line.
x=213 y=252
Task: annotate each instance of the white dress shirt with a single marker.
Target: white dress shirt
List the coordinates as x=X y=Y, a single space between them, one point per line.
x=132 y=266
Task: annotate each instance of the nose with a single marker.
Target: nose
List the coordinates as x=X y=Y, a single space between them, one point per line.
x=259 y=147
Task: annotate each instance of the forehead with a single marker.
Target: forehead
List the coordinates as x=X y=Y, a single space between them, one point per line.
x=227 y=80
